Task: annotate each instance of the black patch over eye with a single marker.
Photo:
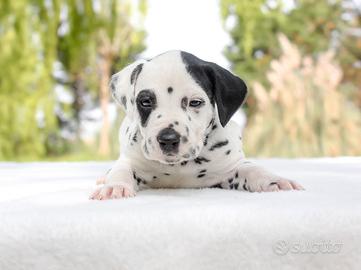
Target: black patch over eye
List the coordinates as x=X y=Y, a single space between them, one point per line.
x=195 y=103
x=146 y=103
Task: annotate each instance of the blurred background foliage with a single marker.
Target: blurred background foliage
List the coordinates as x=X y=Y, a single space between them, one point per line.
x=305 y=97
x=59 y=56
x=300 y=58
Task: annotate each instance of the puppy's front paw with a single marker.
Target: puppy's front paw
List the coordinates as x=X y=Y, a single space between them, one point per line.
x=107 y=192
x=282 y=184
x=266 y=183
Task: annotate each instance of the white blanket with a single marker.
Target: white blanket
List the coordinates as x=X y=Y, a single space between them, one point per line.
x=47 y=221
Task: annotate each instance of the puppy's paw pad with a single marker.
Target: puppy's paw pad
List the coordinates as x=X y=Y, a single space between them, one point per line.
x=108 y=192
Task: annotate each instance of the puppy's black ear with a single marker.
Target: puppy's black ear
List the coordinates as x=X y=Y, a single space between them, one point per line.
x=229 y=92
x=226 y=89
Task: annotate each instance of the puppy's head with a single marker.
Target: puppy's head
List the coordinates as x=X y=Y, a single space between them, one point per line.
x=177 y=99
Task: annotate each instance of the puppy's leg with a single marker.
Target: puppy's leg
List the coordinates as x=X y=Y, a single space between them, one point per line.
x=253 y=178
x=118 y=182
x=101 y=180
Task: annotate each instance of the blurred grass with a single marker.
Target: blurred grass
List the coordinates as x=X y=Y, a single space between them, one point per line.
x=82 y=151
x=305 y=112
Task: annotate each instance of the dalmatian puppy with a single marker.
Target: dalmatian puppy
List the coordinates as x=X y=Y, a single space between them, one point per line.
x=177 y=131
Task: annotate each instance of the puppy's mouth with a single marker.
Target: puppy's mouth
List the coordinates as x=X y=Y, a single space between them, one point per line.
x=171 y=159
x=174 y=159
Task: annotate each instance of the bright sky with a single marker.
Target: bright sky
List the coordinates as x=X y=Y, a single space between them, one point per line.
x=190 y=25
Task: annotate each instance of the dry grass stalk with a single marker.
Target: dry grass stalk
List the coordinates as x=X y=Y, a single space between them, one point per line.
x=304 y=113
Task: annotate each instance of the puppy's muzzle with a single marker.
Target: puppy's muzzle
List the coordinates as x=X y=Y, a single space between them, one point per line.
x=168 y=140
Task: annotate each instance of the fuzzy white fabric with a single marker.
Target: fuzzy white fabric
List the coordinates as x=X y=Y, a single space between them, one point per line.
x=47 y=221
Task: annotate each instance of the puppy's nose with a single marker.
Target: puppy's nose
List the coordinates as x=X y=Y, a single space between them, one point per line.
x=168 y=140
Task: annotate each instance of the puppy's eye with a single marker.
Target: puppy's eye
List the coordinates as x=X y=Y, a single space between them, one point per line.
x=195 y=103
x=146 y=102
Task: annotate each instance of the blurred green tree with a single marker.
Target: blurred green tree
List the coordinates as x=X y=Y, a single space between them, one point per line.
x=118 y=41
x=293 y=86
x=314 y=26
x=76 y=50
x=90 y=38
x=99 y=39
x=28 y=41
x=252 y=28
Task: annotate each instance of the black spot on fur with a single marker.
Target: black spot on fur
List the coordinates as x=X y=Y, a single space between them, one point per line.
x=124 y=101
x=112 y=84
x=217 y=186
x=236 y=175
x=159 y=116
x=218 y=145
x=176 y=123
x=171 y=126
x=200 y=160
x=245 y=184
x=184 y=103
x=154 y=177
x=135 y=73
x=236 y=185
x=228 y=152
x=202 y=171
x=214 y=127
x=230 y=180
x=135 y=137
x=210 y=122
x=170 y=90
x=138 y=179
x=167 y=174
x=184 y=139
x=183 y=163
x=201 y=175
x=205 y=142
